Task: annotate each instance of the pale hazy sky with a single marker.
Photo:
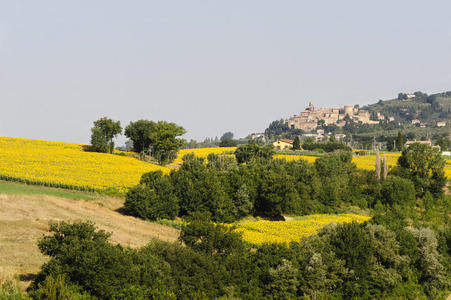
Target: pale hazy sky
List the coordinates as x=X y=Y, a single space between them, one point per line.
x=210 y=66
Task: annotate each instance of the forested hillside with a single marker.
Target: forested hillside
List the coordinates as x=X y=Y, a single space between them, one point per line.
x=426 y=108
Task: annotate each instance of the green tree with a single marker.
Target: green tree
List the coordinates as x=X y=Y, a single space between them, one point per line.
x=86 y=258
x=139 y=133
x=153 y=199
x=399 y=142
x=103 y=133
x=284 y=281
x=164 y=141
x=276 y=195
x=227 y=143
x=297 y=143
x=246 y=153
x=227 y=136
x=350 y=243
x=397 y=190
x=211 y=239
x=423 y=165
x=200 y=189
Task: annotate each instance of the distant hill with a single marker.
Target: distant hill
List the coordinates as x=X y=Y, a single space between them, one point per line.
x=428 y=109
x=417 y=115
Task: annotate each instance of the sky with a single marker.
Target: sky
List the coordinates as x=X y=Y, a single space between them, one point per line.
x=209 y=66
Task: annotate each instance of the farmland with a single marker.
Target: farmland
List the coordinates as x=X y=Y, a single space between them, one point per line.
x=67 y=165
x=201 y=152
x=259 y=232
x=366 y=162
x=263 y=231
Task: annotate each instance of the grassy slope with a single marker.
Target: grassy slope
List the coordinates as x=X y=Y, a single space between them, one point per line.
x=10 y=188
x=25 y=212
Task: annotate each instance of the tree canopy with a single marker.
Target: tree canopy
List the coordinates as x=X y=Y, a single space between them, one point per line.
x=164 y=141
x=159 y=138
x=423 y=165
x=139 y=133
x=103 y=133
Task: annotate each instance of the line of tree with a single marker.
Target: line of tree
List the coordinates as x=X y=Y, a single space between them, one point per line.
x=159 y=139
x=253 y=183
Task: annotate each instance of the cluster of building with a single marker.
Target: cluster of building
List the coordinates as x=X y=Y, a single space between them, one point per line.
x=308 y=119
x=418 y=123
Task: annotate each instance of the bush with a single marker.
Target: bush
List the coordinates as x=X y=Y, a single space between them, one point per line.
x=246 y=153
x=9 y=290
x=397 y=190
x=227 y=143
x=81 y=256
x=58 y=289
x=153 y=199
x=423 y=165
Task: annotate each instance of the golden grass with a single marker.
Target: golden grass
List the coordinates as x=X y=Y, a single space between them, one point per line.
x=25 y=218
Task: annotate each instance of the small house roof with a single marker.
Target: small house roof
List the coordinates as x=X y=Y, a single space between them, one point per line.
x=288 y=141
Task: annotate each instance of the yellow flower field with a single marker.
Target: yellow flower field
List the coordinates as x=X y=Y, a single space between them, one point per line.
x=260 y=232
x=367 y=162
x=284 y=232
x=201 y=152
x=289 y=157
x=67 y=165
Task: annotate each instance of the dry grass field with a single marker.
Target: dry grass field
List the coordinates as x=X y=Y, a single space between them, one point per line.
x=25 y=218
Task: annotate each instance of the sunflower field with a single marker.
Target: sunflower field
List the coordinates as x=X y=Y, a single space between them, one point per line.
x=289 y=157
x=201 y=152
x=67 y=165
x=263 y=231
x=283 y=232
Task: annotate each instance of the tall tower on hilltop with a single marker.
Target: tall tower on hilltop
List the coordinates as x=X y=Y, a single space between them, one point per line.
x=348 y=110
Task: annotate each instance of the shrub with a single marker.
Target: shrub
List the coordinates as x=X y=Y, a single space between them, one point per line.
x=153 y=199
x=57 y=288
x=397 y=190
x=9 y=290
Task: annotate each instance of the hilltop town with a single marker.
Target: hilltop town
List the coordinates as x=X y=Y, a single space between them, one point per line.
x=311 y=117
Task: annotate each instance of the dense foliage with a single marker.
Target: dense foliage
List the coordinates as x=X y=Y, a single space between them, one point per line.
x=403 y=252
x=424 y=166
x=382 y=259
x=158 y=139
x=264 y=187
x=103 y=133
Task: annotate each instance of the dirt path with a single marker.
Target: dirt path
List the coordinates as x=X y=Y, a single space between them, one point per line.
x=25 y=218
